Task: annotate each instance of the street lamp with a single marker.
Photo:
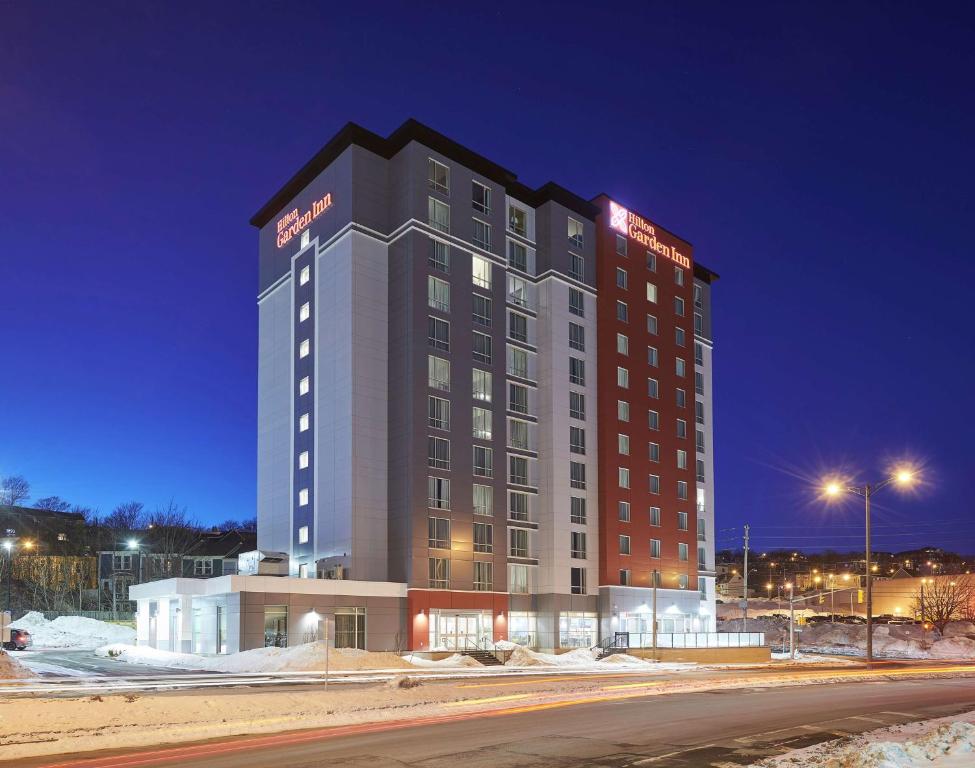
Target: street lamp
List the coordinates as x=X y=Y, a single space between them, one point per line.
x=8 y=547
x=903 y=477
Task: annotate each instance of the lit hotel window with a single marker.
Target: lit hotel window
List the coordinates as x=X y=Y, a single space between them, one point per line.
x=303 y=532
x=305 y=312
x=305 y=275
x=303 y=422
x=303 y=497
x=305 y=349
x=651 y=293
x=303 y=460
x=303 y=386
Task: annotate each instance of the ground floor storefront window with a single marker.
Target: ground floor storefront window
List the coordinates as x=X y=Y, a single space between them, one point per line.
x=276 y=626
x=523 y=628
x=578 y=629
x=350 y=628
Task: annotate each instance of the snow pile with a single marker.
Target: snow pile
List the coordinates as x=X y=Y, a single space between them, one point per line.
x=526 y=657
x=11 y=669
x=904 y=641
x=72 y=631
x=455 y=660
x=956 y=628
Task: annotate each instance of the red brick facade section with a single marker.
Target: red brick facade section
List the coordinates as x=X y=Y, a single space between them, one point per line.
x=419 y=603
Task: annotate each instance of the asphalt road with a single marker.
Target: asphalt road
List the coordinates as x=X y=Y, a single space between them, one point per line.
x=721 y=728
x=57 y=662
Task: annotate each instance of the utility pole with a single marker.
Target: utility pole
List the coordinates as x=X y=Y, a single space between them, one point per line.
x=866 y=495
x=792 y=623
x=744 y=621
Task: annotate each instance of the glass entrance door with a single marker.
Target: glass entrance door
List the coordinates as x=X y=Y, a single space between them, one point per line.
x=461 y=631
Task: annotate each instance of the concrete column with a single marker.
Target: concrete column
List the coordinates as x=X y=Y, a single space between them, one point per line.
x=185 y=624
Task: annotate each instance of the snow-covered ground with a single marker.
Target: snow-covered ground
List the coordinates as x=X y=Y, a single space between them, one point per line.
x=945 y=743
x=72 y=631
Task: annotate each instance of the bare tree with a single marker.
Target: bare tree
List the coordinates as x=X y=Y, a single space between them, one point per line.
x=231 y=524
x=945 y=599
x=52 y=504
x=14 y=489
x=171 y=535
x=128 y=516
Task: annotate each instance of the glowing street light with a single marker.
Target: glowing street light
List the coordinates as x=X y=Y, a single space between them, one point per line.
x=133 y=544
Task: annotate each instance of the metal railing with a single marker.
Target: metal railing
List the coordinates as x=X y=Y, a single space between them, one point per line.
x=697 y=640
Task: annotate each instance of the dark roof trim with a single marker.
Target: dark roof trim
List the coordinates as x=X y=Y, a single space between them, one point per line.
x=412 y=130
x=703 y=273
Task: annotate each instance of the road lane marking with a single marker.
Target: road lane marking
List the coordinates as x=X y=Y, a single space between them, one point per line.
x=491 y=700
x=868 y=719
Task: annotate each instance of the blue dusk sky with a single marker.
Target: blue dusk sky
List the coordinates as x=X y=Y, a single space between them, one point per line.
x=818 y=156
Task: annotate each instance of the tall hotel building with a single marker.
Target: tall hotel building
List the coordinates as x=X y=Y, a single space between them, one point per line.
x=491 y=398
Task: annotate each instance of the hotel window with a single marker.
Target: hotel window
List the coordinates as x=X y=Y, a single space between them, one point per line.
x=577 y=405
x=652 y=356
x=654 y=483
x=577 y=337
x=699 y=382
x=577 y=440
x=517 y=470
x=698 y=297
x=439 y=257
x=622 y=312
x=303 y=534
x=651 y=293
x=303 y=497
x=439 y=572
x=517 y=362
x=577 y=371
x=518 y=579
x=438 y=294
x=481 y=347
x=653 y=420
x=678 y=306
x=622 y=410
x=655 y=548
x=483 y=500
x=483 y=461
x=482 y=385
x=517 y=398
x=517 y=506
x=682 y=490
x=681 y=521
x=303 y=460
x=624 y=577
x=653 y=389
x=517 y=327
x=699 y=323
x=681 y=459
x=481 y=310
x=682 y=581
x=480 y=197
x=652 y=325
x=651 y=261
x=623 y=444
x=438 y=533
x=482 y=423
x=438 y=373
x=304 y=422
x=305 y=348
x=577 y=581
x=577 y=544
x=699 y=411
x=680 y=337
x=577 y=510
x=518 y=434
x=623 y=511
x=438 y=176
x=622 y=344
x=438 y=492
x=305 y=312
x=481 y=234
x=575 y=233
x=518 y=291
x=622 y=378
x=483 y=576
x=481 y=272
x=438 y=214
x=653 y=452
x=517 y=256
x=698 y=354
x=620 y=278
x=576 y=266
x=682 y=552
x=438 y=452
x=623 y=477
x=655 y=516
x=304 y=276
x=577 y=302
x=678 y=275
x=681 y=366
x=518 y=542
x=577 y=474
x=700 y=471
x=517 y=220
x=702 y=587
x=681 y=398
x=681 y=428
x=621 y=247
x=304 y=386
x=624 y=545
x=438 y=333
x=699 y=442
x=483 y=537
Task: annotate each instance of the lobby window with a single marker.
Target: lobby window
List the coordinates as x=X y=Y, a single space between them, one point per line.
x=517 y=256
x=575 y=233
x=623 y=477
x=651 y=261
x=653 y=420
x=438 y=176
x=483 y=461
x=577 y=474
x=438 y=333
x=439 y=572
x=681 y=428
x=624 y=577
x=653 y=452
x=577 y=405
x=680 y=337
x=681 y=521
x=682 y=490
x=438 y=412
x=577 y=581
x=651 y=293
x=481 y=272
x=655 y=548
x=621 y=278
x=653 y=389
x=577 y=440
x=439 y=257
x=577 y=510
x=624 y=545
x=483 y=500
x=483 y=576
x=681 y=367
x=304 y=422
x=438 y=452
x=623 y=444
x=517 y=398
x=438 y=373
x=438 y=214
x=304 y=276
x=304 y=385
x=303 y=534
x=517 y=470
x=652 y=325
x=438 y=533
x=577 y=371
x=682 y=552
x=653 y=357
x=481 y=310
x=483 y=537
x=518 y=542
x=303 y=497
x=481 y=234
x=622 y=344
x=621 y=247
x=577 y=337
x=482 y=385
x=481 y=420
x=678 y=306
x=622 y=378
x=480 y=197
x=438 y=492
x=623 y=511
x=622 y=312
x=576 y=266
x=681 y=459
x=517 y=220
x=655 y=484
x=655 y=516
x=577 y=544
x=305 y=348
x=305 y=312
x=517 y=327
x=517 y=506
x=438 y=294
x=678 y=276
x=303 y=460
x=481 y=347
x=577 y=304
x=622 y=410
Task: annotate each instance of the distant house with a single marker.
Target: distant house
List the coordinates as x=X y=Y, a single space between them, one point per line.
x=42 y=530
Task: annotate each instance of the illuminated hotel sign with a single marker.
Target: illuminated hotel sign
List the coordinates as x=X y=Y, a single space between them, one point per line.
x=641 y=230
x=293 y=223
